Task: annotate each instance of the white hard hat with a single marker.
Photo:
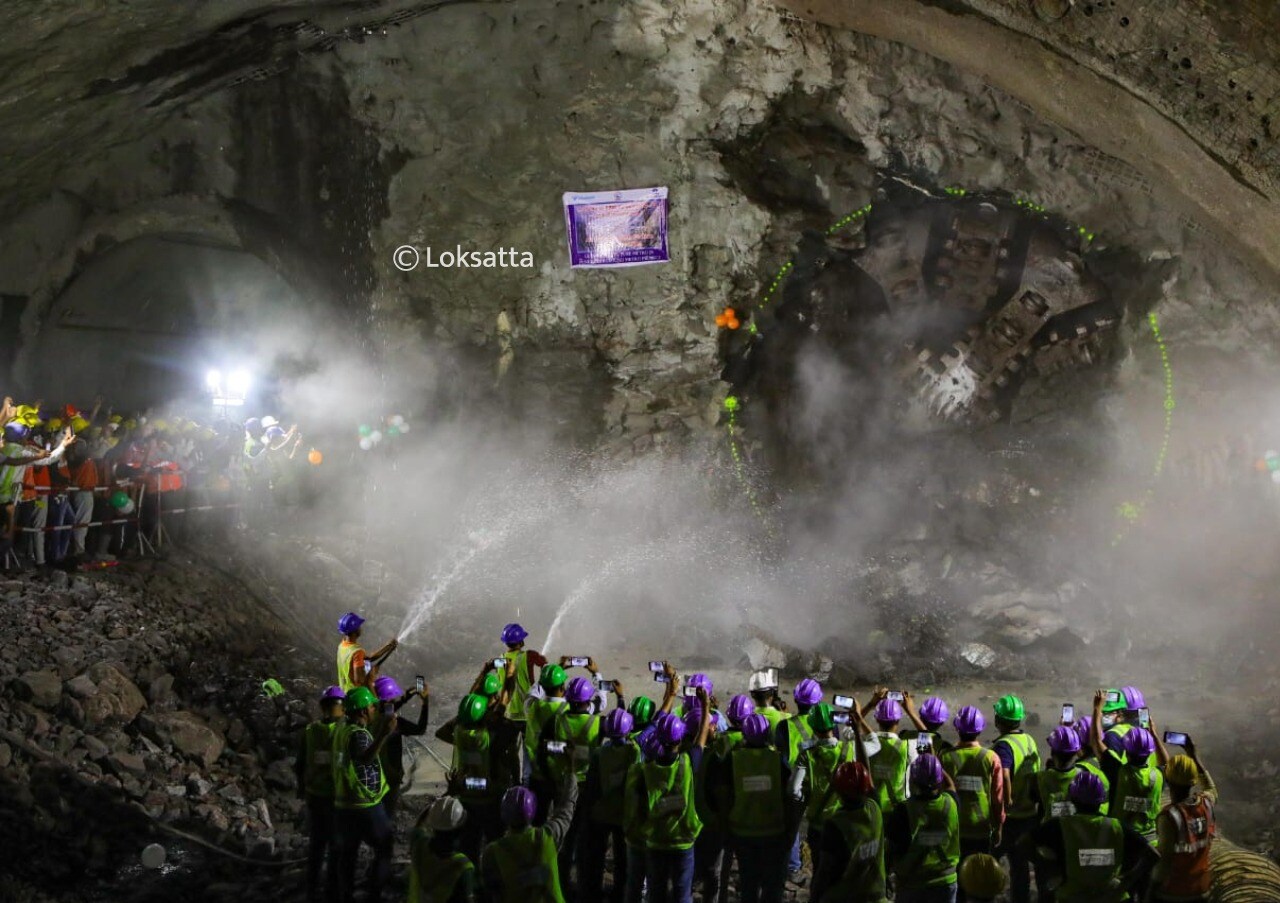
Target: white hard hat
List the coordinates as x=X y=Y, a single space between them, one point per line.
x=446 y=814
x=269 y=421
x=763 y=680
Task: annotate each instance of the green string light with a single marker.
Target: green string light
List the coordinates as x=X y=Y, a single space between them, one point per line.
x=1131 y=512
x=732 y=405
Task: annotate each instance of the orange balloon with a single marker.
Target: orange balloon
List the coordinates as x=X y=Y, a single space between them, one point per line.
x=314 y=456
x=733 y=324
x=1260 y=464
x=721 y=320
x=729 y=312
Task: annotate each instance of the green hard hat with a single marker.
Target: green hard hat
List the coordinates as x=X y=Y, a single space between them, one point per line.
x=492 y=684
x=642 y=710
x=1010 y=708
x=1118 y=706
x=552 y=677
x=360 y=698
x=820 y=720
x=472 y=708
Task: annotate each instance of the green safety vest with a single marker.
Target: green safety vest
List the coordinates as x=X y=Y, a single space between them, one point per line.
x=820 y=763
x=1054 y=787
x=472 y=758
x=723 y=744
x=527 y=865
x=971 y=769
x=1119 y=732
x=1093 y=847
x=318 y=767
x=759 y=807
x=9 y=472
x=581 y=731
x=433 y=879
x=520 y=692
x=799 y=737
x=934 y=854
x=889 y=770
x=611 y=763
x=1026 y=764
x=349 y=792
x=661 y=813
x=1092 y=767
x=345 y=654
x=540 y=711
x=774 y=717
x=863 y=881
x=1137 y=799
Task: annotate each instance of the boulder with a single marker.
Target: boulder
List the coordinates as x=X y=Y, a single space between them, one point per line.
x=81 y=687
x=160 y=692
x=191 y=736
x=118 y=700
x=280 y=774
x=127 y=763
x=41 y=688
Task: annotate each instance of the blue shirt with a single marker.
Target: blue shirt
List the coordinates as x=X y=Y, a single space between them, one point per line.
x=369 y=775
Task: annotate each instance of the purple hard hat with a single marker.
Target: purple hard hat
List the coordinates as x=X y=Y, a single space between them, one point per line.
x=386 y=689
x=1133 y=698
x=16 y=431
x=670 y=729
x=334 y=693
x=693 y=722
x=700 y=680
x=618 y=723
x=755 y=729
x=969 y=720
x=1087 y=789
x=252 y=425
x=888 y=711
x=518 y=807
x=1139 y=743
x=579 y=691
x=934 y=711
x=740 y=707
x=1064 y=741
x=274 y=433
x=926 y=772
x=349 y=623
x=513 y=633
x=651 y=744
x=1082 y=726
x=808 y=692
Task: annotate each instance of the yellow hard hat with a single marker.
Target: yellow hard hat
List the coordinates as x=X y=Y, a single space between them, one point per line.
x=55 y=423
x=28 y=415
x=116 y=418
x=79 y=424
x=160 y=425
x=1182 y=771
x=131 y=424
x=981 y=876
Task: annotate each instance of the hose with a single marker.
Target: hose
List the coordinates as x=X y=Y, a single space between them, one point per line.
x=1240 y=876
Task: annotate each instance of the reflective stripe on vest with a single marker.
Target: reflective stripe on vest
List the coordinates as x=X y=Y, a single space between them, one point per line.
x=670 y=818
x=349 y=792
x=318 y=767
x=934 y=854
x=1137 y=798
x=821 y=762
x=1194 y=829
x=758 y=803
x=799 y=737
x=1026 y=764
x=889 y=769
x=523 y=684
x=540 y=712
x=1054 y=787
x=972 y=770
x=1093 y=846
x=862 y=828
x=527 y=866
x=581 y=732
x=472 y=759
x=346 y=652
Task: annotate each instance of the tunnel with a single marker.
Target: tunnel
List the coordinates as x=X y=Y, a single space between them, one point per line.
x=843 y=362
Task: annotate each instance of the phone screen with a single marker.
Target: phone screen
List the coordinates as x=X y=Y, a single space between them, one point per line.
x=476 y=783
x=579 y=661
x=661 y=678
x=606 y=685
x=924 y=742
x=841 y=718
x=555 y=746
x=420 y=683
x=1113 y=696
x=690 y=691
x=895 y=696
x=1176 y=738
x=1068 y=713
x=1144 y=718
x=843 y=702
x=655 y=667
x=500 y=663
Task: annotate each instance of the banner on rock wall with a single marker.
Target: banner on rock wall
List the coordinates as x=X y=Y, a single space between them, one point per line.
x=617 y=228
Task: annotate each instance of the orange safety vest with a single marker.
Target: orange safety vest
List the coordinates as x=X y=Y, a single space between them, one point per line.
x=35 y=477
x=166 y=478
x=1194 y=823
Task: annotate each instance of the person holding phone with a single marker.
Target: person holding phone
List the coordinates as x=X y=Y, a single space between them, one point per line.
x=603 y=797
x=359 y=787
x=578 y=728
x=1186 y=829
x=978 y=778
x=889 y=765
x=471 y=777
x=929 y=719
x=815 y=768
x=1020 y=761
x=522 y=677
x=391 y=699
x=541 y=706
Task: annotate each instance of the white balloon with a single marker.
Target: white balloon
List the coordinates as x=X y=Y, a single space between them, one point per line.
x=153 y=856
x=397 y=420
x=1275 y=476
x=404 y=427
x=366 y=443
x=376 y=436
x=1272 y=453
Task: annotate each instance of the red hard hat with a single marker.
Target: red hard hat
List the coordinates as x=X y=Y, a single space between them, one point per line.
x=852 y=780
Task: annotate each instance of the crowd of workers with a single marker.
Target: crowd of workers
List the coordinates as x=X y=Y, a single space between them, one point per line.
x=547 y=780
x=81 y=488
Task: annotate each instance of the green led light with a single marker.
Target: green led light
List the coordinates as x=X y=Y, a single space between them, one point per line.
x=731 y=403
x=1130 y=511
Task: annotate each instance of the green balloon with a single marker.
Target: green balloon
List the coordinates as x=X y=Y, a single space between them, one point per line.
x=364 y=429
x=1273 y=464
x=119 y=499
x=393 y=431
